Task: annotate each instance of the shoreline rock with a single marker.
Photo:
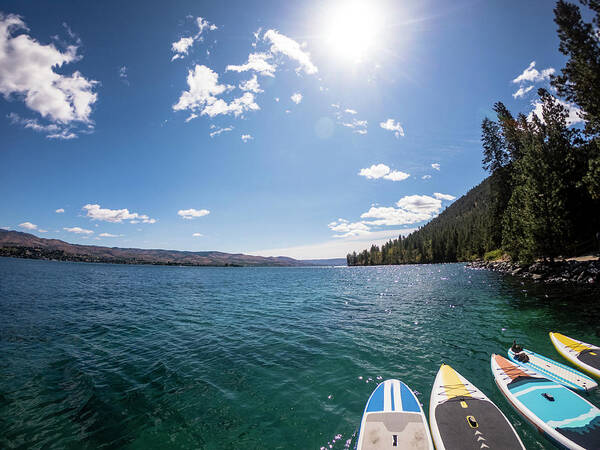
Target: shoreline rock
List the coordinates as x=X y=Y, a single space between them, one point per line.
x=583 y=272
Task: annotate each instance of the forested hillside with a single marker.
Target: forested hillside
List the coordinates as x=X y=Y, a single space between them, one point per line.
x=542 y=199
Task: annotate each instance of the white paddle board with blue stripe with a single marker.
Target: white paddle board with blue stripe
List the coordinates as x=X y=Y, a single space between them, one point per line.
x=393 y=419
x=555 y=371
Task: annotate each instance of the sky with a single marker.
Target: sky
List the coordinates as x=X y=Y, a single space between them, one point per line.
x=305 y=129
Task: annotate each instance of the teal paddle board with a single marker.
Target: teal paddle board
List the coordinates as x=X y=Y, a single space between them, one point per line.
x=555 y=371
x=557 y=412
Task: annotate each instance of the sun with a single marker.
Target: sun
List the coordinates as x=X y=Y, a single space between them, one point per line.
x=353 y=29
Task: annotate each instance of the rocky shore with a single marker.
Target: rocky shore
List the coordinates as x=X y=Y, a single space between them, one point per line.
x=587 y=272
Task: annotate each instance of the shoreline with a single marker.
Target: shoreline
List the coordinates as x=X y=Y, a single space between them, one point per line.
x=564 y=271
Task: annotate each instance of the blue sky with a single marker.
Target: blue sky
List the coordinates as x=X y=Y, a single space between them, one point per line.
x=305 y=129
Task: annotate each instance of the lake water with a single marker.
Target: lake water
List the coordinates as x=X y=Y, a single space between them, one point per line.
x=98 y=355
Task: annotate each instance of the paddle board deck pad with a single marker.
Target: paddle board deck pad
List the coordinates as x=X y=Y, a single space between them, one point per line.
x=559 y=413
x=585 y=356
x=553 y=370
x=462 y=417
x=393 y=419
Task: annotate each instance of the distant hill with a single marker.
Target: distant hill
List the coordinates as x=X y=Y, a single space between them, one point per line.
x=25 y=245
x=460 y=233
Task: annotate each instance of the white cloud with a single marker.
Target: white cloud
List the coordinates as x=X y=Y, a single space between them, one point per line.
x=42 y=231
x=348 y=229
x=123 y=74
x=5 y=228
x=392 y=125
x=251 y=85
x=27 y=71
x=108 y=235
x=60 y=211
x=192 y=116
x=532 y=75
x=296 y=97
x=192 y=213
x=358 y=126
x=396 y=175
x=443 y=196
x=375 y=171
x=256 y=62
x=218 y=131
x=425 y=177
x=95 y=212
x=382 y=171
x=522 y=91
x=236 y=107
x=436 y=166
x=572 y=110
x=277 y=99
x=203 y=86
x=197 y=235
x=202 y=95
x=183 y=45
x=78 y=230
x=420 y=204
x=410 y=209
x=350 y=111
x=28 y=226
x=246 y=137
x=289 y=47
x=390 y=216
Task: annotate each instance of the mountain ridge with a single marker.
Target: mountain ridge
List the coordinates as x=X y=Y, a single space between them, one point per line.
x=25 y=245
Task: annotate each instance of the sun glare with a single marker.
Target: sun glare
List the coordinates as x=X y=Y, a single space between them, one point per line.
x=353 y=29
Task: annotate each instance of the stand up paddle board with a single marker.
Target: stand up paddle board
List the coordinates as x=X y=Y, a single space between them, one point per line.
x=559 y=413
x=462 y=417
x=552 y=370
x=585 y=356
x=393 y=419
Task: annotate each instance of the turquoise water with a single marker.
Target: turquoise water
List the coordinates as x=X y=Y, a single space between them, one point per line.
x=98 y=355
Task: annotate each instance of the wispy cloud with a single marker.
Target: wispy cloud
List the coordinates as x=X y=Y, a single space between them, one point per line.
x=257 y=62
x=96 y=212
x=531 y=76
x=192 y=213
x=28 y=226
x=78 y=230
x=436 y=166
x=123 y=74
x=281 y=44
x=251 y=85
x=392 y=125
x=217 y=131
x=246 y=137
x=382 y=171
x=443 y=196
x=60 y=211
x=183 y=45
x=296 y=97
